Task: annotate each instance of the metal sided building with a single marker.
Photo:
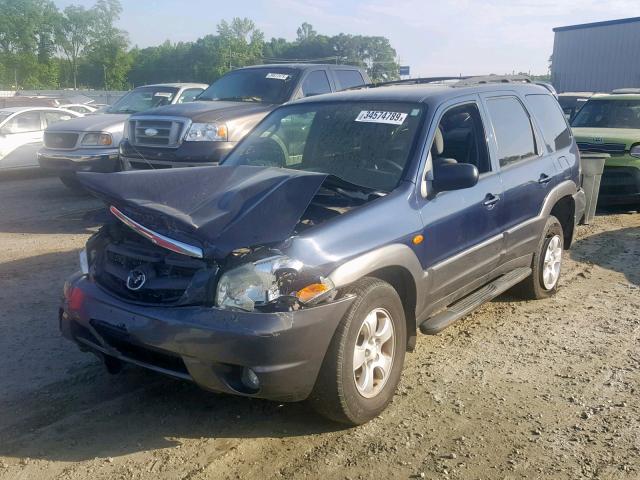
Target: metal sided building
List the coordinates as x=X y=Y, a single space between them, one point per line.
x=597 y=57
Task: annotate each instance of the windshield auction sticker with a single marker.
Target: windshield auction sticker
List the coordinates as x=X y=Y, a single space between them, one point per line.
x=376 y=116
x=278 y=76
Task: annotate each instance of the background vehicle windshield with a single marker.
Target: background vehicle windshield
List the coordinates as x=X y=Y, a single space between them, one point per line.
x=366 y=144
x=266 y=85
x=609 y=114
x=142 y=99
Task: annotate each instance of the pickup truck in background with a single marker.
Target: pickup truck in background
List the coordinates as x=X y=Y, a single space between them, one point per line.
x=204 y=131
x=90 y=144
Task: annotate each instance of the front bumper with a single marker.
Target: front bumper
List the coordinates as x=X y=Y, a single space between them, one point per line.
x=206 y=345
x=188 y=154
x=88 y=160
x=620 y=185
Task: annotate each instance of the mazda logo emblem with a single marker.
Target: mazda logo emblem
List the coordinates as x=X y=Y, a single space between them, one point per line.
x=151 y=132
x=136 y=280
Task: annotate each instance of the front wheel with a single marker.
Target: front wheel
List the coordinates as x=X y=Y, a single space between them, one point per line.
x=547 y=263
x=363 y=364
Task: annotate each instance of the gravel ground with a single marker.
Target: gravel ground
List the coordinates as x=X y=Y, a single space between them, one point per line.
x=544 y=389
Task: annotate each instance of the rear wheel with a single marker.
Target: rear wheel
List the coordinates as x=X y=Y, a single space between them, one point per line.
x=363 y=364
x=547 y=264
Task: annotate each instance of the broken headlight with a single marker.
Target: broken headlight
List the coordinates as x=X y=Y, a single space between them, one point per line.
x=264 y=281
x=255 y=283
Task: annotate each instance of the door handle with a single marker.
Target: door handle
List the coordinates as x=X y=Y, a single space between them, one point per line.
x=490 y=200
x=544 y=179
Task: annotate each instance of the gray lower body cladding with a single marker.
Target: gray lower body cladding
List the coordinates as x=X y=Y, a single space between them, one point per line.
x=206 y=345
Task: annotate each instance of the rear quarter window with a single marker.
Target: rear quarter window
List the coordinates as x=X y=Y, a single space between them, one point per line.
x=551 y=121
x=348 y=78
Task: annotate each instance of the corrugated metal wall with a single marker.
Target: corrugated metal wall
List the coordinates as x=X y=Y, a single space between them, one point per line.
x=597 y=59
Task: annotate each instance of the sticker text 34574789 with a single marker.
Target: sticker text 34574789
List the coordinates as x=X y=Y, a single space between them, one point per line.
x=376 y=116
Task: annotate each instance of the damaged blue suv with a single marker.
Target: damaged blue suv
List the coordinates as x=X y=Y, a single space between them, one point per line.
x=304 y=265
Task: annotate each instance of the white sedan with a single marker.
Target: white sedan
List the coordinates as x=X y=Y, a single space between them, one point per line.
x=21 y=130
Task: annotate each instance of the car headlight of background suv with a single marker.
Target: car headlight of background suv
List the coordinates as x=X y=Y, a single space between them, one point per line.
x=207 y=132
x=635 y=151
x=264 y=281
x=97 y=139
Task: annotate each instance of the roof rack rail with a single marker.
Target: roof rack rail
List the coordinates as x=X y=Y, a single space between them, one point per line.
x=622 y=91
x=493 y=79
x=409 y=81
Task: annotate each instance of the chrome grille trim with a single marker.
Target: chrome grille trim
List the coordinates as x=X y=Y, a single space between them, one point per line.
x=170 y=130
x=160 y=240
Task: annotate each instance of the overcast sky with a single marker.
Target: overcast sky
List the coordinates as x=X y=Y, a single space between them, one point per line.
x=446 y=37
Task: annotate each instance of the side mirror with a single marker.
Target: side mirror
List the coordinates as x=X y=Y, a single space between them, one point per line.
x=454 y=176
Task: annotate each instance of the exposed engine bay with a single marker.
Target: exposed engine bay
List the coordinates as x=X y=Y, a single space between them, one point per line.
x=137 y=269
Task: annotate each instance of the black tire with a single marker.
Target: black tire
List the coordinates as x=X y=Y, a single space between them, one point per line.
x=73 y=184
x=533 y=287
x=335 y=394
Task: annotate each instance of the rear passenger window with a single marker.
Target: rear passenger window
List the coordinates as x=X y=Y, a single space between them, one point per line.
x=349 y=78
x=513 y=130
x=551 y=121
x=316 y=83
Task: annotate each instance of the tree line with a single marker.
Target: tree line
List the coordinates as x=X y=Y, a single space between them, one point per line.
x=43 y=47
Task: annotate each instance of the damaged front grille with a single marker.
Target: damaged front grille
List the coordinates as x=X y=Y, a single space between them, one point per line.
x=135 y=269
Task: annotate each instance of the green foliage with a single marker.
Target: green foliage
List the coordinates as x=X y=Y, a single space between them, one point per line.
x=43 y=47
x=373 y=53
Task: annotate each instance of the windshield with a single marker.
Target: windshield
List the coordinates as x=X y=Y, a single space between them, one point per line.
x=362 y=144
x=4 y=116
x=265 y=85
x=142 y=99
x=609 y=114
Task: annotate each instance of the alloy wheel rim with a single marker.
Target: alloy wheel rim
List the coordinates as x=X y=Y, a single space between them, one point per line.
x=373 y=353
x=552 y=262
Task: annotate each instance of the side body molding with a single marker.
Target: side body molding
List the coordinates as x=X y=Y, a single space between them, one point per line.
x=393 y=255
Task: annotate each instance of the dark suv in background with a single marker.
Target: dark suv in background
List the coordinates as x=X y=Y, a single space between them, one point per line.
x=304 y=265
x=206 y=130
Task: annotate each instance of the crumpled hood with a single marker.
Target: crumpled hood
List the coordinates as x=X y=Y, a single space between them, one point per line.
x=107 y=122
x=214 y=111
x=222 y=207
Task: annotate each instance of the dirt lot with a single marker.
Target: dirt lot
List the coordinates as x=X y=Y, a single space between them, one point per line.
x=545 y=389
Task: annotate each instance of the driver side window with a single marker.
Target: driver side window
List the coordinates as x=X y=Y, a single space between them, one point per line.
x=460 y=138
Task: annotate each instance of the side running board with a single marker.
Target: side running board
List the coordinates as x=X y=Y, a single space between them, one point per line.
x=467 y=304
